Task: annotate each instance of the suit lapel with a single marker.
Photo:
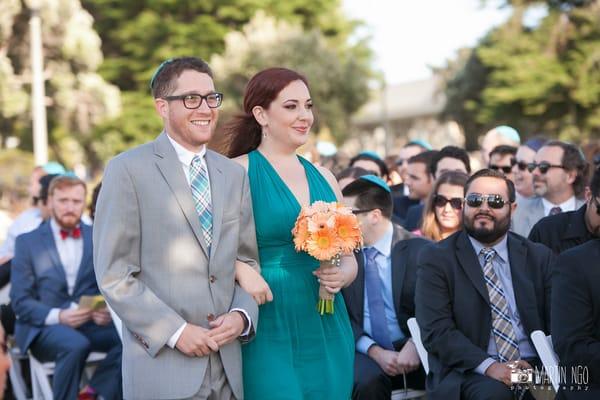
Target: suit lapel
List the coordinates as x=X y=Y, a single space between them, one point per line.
x=522 y=286
x=86 y=234
x=216 y=193
x=470 y=264
x=398 y=265
x=171 y=170
x=50 y=245
x=537 y=212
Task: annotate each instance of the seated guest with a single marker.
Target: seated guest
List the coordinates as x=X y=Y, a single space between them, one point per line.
x=502 y=158
x=348 y=175
x=576 y=320
x=569 y=229
x=480 y=293
x=370 y=161
x=442 y=215
x=502 y=134
x=419 y=179
x=522 y=177
x=381 y=298
x=410 y=149
x=450 y=158
x=560 y=173
x=52 y=269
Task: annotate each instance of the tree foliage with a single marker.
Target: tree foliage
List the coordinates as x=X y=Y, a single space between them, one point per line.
x=544 y=79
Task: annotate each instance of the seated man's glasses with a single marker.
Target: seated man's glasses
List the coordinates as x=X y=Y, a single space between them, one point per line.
x=544 y=166
x=504 y=168
x=441 y=201
x=522 y=165
x=494 y=201
x=193 y=101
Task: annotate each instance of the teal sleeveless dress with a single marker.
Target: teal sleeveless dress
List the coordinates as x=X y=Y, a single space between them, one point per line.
x=297 y=353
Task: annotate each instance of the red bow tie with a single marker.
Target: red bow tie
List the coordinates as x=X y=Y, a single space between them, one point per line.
x=74 y=233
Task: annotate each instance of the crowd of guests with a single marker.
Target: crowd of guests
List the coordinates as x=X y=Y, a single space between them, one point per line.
x=482 y=257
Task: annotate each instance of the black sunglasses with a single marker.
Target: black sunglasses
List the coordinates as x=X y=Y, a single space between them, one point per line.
x=494 y=201
x=366 y=210
x=441 y=201
x=544 y=166
x=522 y=165
x=504 y=168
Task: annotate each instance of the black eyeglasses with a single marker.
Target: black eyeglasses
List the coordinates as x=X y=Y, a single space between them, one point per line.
x=193 y=101
x=504 y=168
x=366 y=210
x=441 y=201
x=544 y=166
x=494 y=201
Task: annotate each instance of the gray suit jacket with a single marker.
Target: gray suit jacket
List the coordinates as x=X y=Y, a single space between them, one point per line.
x=529 y=212
x=156 y=271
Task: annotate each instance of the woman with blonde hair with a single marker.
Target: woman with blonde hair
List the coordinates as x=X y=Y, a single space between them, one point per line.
x=442 y=214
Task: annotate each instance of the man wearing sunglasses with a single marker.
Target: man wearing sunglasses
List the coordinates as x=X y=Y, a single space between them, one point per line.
x=569 y=229
x=502 y=158
x=480 y=293
x=559 y=176
x=381 y=299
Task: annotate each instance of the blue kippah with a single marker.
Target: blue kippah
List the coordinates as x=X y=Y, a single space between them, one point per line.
x=370 y=154
x=536 y=143
x=160 y=67
x=377 y=181
x=53 y=167
x=509 y=133
x=419 y=142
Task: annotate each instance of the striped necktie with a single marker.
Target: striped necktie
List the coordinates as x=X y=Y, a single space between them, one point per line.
x=201 y=195
x=504 y=334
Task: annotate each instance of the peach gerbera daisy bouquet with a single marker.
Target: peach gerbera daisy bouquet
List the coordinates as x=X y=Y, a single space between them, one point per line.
x=327 y=231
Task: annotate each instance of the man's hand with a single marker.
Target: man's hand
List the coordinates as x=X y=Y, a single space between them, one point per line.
x=408 y=358
x=74 y=317
x=227 y=328
x=501 y=371
x=386 y=359
x=101 y=317
x=195 y=342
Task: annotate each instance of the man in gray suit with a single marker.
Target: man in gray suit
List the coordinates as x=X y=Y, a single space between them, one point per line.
x=559 y=178
x=171 y=220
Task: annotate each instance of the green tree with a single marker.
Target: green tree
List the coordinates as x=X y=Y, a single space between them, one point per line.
x=542 y=79
x=78 y=98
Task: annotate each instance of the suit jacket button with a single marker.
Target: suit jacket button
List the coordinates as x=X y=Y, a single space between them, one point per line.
x=210 y=317
x=212 y=278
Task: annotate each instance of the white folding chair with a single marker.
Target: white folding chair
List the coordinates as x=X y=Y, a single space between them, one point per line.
x=41 y=373
x=544 y=348
x=15 y=373
x=415 y=332
x=402 y=394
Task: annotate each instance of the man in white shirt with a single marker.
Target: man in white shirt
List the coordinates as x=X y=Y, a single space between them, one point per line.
x=559 y=177
x=52 y=270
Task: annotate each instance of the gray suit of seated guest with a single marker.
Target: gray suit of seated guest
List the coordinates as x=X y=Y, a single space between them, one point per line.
x=468 y=339
x=51 y=270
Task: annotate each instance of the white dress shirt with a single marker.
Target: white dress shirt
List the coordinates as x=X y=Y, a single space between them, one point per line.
x=70 y=252
x=569 y=205
x=185 y=158
x=27 y=221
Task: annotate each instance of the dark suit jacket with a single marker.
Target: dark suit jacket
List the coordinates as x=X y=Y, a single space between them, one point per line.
x=401 y=205
x=562 y=231
x=576 y=315
x=453 y=310
x=414 y=217
x=38 y=281
x=404 y=256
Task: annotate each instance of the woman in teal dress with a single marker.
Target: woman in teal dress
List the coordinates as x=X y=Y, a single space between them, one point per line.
x=297 y=353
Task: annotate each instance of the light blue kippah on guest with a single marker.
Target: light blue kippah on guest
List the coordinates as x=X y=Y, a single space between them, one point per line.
x=370 y=154
x=377 y=181
x=53 y=167
x=419 y=142
x=509 y=133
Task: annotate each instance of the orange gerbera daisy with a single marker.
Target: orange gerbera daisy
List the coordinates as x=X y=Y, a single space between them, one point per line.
x=321 y=221
x=300 y=233
x=322 y=244
x=348 y=232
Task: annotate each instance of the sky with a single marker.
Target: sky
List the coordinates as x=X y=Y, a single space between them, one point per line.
x=409 y=35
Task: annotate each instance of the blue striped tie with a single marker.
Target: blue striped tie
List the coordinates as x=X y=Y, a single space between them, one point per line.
x=201 y=195
x=504 y=334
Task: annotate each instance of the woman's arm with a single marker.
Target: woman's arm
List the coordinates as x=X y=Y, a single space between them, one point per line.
x=252 y=282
